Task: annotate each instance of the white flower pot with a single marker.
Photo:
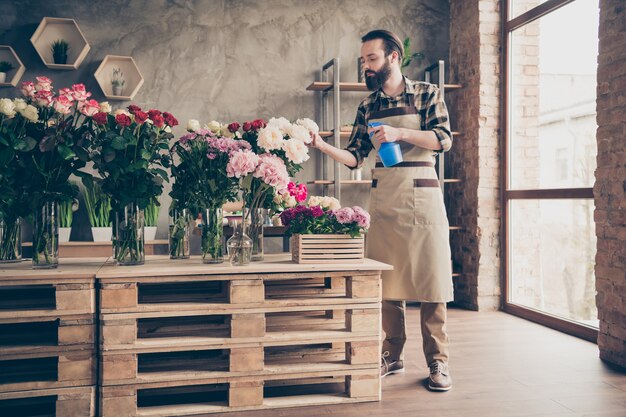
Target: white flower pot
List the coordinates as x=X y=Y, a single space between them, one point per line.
x=101 y=234
x=3 y=77
x=117 y=90
x=64 y=234
x=149 y=233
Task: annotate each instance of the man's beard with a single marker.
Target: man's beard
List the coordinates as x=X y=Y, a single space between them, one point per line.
x=380 y=77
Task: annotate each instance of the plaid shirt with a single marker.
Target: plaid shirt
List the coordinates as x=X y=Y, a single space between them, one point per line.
x=430 y=106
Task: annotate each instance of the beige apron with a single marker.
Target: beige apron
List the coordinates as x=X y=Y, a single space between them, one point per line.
x=409 y=227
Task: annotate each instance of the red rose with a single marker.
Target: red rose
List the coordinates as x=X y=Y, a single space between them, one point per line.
x=170 y=120
x=141 y=117
x=133 y=109
x=158 y=120
x=153 y=113
x=247 y=126
x=233 y=127
x=258 y=124
x=100 y=118
x=123 y=120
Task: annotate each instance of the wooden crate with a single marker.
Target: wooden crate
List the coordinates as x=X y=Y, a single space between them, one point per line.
x=217 y=395
x=34 y=371
x=63 y=402
x=327 y=248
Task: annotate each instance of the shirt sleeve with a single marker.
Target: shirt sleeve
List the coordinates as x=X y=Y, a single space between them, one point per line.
x=359 y=144
x=437 y=119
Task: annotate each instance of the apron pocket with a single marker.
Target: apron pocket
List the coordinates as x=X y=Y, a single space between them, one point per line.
x=428 y=206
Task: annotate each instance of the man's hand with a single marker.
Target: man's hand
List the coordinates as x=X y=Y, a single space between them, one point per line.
x=386 y=133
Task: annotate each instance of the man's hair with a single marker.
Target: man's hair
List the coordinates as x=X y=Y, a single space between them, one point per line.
x=391 y=41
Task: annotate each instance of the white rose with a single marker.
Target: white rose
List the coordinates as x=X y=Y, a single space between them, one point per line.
x=270 y=138
x=301 y=133
x=193 y=125
x=225 y=132
x=314 y=201
x=290 y=201
x=30 y=113
x=7 y=107
x=296 y=151
x=214 y=126
x=105 y=107
x=20 y=104
x=309 y=124
x=124 y=111
x=278 y=199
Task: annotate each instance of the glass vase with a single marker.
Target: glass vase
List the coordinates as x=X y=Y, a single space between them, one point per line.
x=179 y=234
x=128 y=236
x=212 y=236
x=11 y=240
x=239 y=246
x=46 y=236
x=255 y=219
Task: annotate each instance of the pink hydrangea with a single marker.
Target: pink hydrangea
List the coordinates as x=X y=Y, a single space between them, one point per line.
x=273 y=172
x=242 y=163
x=362 y=217
x=345 y=215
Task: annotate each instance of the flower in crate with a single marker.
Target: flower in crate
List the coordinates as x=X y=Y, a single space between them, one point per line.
x=315 y=219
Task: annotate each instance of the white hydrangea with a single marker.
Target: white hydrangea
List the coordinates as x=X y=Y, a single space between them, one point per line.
x=270 y=138
x=296 y=150
x=193 y=125
x=20 y=104
x=30 y=113
x=7 y=107
x=105 y=107
x=309 y=124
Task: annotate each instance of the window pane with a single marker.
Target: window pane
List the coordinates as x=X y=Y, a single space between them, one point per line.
x=518 y=7
x=553 y=64
x=552 y=252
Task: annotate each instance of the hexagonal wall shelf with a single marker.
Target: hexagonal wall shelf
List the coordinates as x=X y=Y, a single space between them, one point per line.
x=13 y=76
x=130 y=72
x=54 y=28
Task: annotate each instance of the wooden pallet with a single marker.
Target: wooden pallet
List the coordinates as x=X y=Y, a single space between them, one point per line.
x=216 y=395
x=327 y=248
x=32 y=371
x=63 y=402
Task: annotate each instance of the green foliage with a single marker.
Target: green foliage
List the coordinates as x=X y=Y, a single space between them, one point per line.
x=97 y=204
x=60 y=47
x=408 y=56
x=5 y=66
x=151 y=213
x=66 y=213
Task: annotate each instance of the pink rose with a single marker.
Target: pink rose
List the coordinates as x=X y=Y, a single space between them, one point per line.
x=89 y=107
x=79 y=92
x=66 y=92
x=344 y=215
x=242 y=163
x=28 y=89
x=44 y=98
x=62 y=105
x=43 y=84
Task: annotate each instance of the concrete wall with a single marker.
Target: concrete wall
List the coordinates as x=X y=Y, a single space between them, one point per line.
x=228 y=60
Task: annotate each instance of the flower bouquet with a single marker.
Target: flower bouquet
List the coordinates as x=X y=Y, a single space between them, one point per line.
x=323 y=231
x=51 y=150
x=202 y=186
x=130 y=152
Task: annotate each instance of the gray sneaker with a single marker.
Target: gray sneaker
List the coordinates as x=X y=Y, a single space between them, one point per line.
x=388 y=367
x=439 y=378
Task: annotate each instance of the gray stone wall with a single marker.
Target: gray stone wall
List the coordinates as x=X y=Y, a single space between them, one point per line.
x=229 y=60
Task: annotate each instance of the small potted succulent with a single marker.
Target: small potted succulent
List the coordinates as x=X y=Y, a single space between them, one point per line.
x=117 y=82
x=66 y=215
x=4 y=68
x=59 y=51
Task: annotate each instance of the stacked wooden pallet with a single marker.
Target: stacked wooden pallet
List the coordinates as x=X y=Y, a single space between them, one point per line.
x=47 y=335
x=183 y=338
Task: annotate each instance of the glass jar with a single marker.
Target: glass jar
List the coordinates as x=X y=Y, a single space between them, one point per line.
x=10 y=240
x=212 y=245
x=179 y=234
x=239 y=246
x=46 y=236
x=128 y=236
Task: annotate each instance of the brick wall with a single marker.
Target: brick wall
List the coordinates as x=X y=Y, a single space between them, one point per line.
x=610 y=187
x=475 y=109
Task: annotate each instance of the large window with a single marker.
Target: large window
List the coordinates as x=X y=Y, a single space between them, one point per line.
x=550 y=158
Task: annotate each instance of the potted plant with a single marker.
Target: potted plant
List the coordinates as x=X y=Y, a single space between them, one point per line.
x=66 y=215
x=324 y=232
x=117 y=82
x=5 y=67
x=151 y=216
x=59 y=48
x=98 y=206
x=408 y=56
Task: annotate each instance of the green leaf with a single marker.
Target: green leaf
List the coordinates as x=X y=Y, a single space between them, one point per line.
x=118 y=143
x=145 y=154
x=25 y=145
x=65 y=152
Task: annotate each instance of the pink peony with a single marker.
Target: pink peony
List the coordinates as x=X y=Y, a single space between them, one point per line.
x=79 y=92
x=344 y=215
x=273 y=172
x=43 y=84
x=362 y=217
x=28 y=89
x=62 y=105
x=44 y=98
x=242 y=163
x=89 y=107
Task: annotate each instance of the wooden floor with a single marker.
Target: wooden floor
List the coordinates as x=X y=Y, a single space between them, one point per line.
x=502 y=366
